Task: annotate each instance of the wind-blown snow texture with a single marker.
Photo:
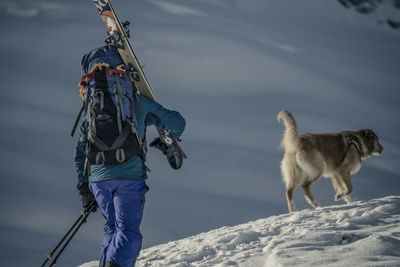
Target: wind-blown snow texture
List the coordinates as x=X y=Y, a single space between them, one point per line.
x=360 y=234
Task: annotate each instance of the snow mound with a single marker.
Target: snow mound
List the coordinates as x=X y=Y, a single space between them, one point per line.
x=360 y=234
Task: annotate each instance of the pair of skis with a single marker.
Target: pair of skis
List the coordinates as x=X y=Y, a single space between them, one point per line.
x=118 y=36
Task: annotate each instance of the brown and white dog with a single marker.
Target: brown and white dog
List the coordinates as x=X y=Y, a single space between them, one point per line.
x=307 y=157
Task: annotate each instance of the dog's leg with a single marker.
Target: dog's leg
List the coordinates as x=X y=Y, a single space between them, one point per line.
x=309 y=197
x=349 y=188
x=337 y=186
x=289 y=199
x=345 y=185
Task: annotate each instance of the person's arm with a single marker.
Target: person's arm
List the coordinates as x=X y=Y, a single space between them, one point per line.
x=86 y=195
x=163 y=118
x=80 y=156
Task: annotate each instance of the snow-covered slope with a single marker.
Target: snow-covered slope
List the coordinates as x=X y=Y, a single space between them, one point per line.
x=360 y=234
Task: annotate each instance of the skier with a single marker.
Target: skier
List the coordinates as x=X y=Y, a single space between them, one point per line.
x=115 y=177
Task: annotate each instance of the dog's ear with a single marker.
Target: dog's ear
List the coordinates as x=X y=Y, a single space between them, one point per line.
x=368 y=134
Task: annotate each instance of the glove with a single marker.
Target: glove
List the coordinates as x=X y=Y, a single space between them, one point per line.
x=157 y=143
x=174 y=158
x=87 y=196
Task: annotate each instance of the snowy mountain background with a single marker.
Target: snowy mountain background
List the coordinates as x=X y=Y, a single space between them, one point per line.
x=360 y=234
x=229 y=67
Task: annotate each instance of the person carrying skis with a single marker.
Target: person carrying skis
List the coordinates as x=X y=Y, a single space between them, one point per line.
x=110 y=155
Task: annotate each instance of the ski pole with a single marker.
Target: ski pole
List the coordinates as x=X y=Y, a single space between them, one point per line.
x=50 y=255
x=86 y=214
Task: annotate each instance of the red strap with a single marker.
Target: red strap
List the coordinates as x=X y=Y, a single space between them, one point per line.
x=111 y=72
x=90 y=76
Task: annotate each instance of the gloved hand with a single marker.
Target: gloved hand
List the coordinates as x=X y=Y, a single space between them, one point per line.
x=173 y=155
x=174 y=158
x=87 y=196
x=157 y=143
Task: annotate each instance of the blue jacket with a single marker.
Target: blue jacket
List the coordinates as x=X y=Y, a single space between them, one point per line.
x=148 y=113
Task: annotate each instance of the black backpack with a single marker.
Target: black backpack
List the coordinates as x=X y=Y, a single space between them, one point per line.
x=109 y=98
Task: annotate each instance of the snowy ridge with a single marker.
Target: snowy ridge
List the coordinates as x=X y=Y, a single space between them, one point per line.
x=361 y=234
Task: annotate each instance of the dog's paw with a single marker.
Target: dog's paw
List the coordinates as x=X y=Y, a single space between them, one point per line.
x=292 y=209
x=338 y=196
x=348 y=199
x=316 y=204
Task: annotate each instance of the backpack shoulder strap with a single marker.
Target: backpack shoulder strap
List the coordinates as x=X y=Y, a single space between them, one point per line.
x=78 y=118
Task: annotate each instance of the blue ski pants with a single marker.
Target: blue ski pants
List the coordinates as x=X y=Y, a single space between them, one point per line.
x=121 y=203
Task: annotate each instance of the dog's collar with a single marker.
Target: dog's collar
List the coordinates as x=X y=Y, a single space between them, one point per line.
x=353 y=140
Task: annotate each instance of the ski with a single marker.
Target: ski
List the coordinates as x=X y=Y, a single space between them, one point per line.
x=118 y=35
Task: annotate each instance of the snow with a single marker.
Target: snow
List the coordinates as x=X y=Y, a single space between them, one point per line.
x=364 y=233
x=229 y=66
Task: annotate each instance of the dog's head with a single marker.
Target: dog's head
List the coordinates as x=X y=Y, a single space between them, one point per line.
x=371 y=145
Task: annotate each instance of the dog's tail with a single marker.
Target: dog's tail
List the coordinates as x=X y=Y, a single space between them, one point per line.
x=290 y=138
